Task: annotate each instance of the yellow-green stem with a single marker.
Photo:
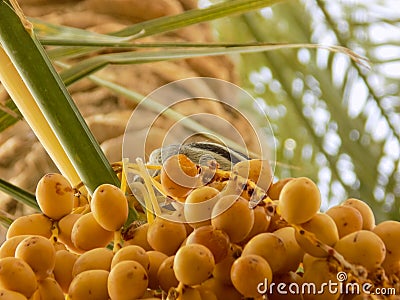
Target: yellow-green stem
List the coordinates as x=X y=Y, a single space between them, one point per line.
x=117 y=241
x=23 y=99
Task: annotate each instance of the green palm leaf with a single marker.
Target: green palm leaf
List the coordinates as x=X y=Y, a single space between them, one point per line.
x=22 y=195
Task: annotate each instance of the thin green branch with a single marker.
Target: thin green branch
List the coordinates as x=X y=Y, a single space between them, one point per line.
x=195 y=16
x=368 y=44
x=170 y=23
x=19 y=194
x=53 y=34
x=9 y=114
x=394 y=22
x=377 y=62
x=5 y=221
x=93 y=64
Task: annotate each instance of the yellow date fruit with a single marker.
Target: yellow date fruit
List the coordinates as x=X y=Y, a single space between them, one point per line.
x=248 y=272
x=389 y=232
x=109 y=207
x=55 y=196
x=294 y=253
x=95 y=259
x=89 y=285
x=65 y=226
x=347 y=219
x=275 y=188
x=366 y=212
x=65 y=261
x=7 y=249
x=215 y=240
x=87 y=234
x=156 y=258
x=14 y=272
x=35 y=224
x=179 y=175
x=137 y=235
x=193 y=264
x=49 y=289
x=11 y=295
x=324 y=229
x=166 y=275
x=127 y=280
x=166 y=236
x=199 y=204
x=270 y=247
x=299 y=200
x=132 y=252
x=232 y=215
x=39 y=253
x=363 y=248
x=257 y=170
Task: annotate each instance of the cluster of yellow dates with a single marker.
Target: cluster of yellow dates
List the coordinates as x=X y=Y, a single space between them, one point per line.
x=226 y=245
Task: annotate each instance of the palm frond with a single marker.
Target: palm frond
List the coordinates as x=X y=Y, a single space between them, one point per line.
x=93 y=64
x=168 y=23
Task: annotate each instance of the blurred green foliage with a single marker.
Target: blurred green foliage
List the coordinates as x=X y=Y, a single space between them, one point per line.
x=334 y=121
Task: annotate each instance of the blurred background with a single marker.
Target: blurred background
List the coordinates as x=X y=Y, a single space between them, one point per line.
x=334 y=121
